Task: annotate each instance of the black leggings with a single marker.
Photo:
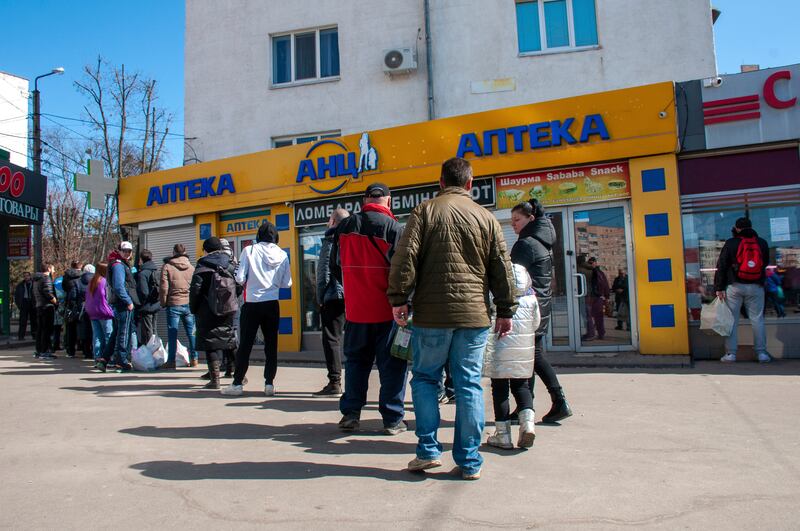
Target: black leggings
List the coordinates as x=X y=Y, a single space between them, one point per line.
x=542 y=368
x=265 y=315
x=520 y=390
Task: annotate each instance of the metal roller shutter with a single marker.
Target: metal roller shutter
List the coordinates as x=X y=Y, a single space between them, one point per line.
x=508 y=234
x=160 y=242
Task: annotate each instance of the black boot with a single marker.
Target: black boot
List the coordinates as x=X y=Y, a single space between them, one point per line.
x=213 y=370
x=230 y=363
x=560 y=409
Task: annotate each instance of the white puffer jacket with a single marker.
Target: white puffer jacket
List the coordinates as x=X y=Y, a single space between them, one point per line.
x=512 y=356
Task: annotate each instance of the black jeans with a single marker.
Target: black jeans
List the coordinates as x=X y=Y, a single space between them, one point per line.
x=147 y=327
x=57 y=329
x=71 y=337
x=519 y=388
x=332 y=328
x=265 y=315
x=542 y=368
x=366 y=344
x=44 y=331
x=25 y=313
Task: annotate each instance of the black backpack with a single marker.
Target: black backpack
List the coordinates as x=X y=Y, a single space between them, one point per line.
x=152 y=285
x=222 y=292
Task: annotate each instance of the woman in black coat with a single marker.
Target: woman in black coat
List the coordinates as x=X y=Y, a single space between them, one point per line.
x=533 y=250
x=214 y=333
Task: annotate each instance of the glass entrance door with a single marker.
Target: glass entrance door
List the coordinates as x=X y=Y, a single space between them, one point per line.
x=593 y=296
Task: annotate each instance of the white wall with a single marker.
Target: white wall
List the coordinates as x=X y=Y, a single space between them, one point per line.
x=14 y=117
x=640 y=42
x=232 y=110
x=229 y=105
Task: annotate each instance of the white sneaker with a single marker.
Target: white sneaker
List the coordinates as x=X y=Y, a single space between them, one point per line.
x=269 y=390
x=764 y=358
x=232 y=390
x=728 y=358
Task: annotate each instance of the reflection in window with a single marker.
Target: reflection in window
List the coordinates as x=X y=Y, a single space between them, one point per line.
x=310 y=244
x=705 y=233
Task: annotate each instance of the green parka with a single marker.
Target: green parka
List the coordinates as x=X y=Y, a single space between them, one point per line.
x=451 y=256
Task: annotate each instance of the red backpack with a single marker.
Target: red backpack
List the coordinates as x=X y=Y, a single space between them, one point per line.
x=751 y=263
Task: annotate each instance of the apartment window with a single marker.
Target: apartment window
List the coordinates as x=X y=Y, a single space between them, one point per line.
x=552 y=25
x=305 y=56
x=291 y=140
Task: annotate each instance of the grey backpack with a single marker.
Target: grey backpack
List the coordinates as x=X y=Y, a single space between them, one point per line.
x=222 y=292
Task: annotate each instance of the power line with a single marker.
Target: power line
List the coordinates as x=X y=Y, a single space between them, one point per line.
x=111 y=125
x=12 y=104
x=15 y=151
x=16 y=136
x=50 y=146
x=67 y=128
x=26 y=116
x=79 y=163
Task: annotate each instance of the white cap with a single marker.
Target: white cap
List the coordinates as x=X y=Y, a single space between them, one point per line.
x=125 y=246
x=88 y=268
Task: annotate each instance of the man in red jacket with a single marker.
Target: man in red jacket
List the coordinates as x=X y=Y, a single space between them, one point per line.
x=362 y=251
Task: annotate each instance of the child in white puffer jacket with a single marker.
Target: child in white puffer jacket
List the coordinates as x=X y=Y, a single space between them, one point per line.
x=509 y=363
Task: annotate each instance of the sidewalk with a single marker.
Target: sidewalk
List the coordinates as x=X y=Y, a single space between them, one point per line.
x=714 y=447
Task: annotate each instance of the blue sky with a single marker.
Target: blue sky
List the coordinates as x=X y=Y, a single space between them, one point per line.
x=756 y=32
x=147 y=36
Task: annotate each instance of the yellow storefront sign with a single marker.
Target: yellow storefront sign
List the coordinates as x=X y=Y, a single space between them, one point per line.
x=613 y=125
x=563 y=186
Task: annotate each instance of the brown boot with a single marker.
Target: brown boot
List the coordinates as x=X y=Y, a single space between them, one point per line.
x=213 y=371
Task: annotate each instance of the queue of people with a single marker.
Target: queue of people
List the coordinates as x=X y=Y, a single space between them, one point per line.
x=449 y=269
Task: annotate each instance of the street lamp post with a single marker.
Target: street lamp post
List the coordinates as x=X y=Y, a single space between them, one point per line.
x=37 y=160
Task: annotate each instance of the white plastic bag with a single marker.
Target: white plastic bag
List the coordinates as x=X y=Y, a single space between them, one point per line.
x=717 y=317
x=142 y=359
x=154 y=343
x=181 y=356
x=156 y=346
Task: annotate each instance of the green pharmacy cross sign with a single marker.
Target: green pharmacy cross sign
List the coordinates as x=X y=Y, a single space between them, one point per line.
x=96 y=185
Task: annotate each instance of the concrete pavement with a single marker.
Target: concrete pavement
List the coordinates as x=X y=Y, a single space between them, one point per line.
x=713 y=447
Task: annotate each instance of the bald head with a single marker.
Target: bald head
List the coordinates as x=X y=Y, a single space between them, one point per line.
x=337 y=216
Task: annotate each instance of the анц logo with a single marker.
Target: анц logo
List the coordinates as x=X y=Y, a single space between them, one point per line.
x=342 y=164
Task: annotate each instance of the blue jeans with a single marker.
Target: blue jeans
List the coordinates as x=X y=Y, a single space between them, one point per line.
x=176 y=314
x=463 y=349
x=101 y=333
x=752 y=297
x=366 y=344
x=123 y=328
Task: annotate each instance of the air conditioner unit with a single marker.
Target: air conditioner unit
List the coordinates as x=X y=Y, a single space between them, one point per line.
x=399 y=61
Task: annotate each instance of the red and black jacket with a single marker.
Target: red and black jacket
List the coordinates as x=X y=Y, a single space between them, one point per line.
x=362 y=252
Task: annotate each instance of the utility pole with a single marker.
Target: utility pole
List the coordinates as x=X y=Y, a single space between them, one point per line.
x=37 y=168
x=37 y=161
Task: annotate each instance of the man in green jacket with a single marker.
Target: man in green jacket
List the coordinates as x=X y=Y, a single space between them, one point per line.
x=451 y=255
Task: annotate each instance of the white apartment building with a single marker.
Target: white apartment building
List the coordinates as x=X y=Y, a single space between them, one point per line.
x=14 y=117
x=265 y=74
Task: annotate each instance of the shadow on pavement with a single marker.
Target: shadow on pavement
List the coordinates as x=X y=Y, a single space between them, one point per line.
x=297 y=405
x=291 y=405
x=135 y=377
x=778 y=367
x=278 y=470
x=175 y=390
x=323 y=438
